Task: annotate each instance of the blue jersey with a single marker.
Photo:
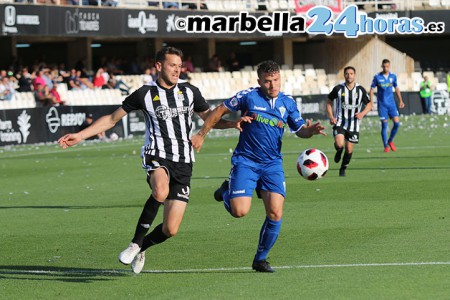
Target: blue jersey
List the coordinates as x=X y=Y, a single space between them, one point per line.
x=385 y=95
x=260 y=141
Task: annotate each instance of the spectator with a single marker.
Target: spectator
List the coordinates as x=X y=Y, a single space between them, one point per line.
x=148 y=79
x=42 y=96
x=425 y=95
x=25 y=80
x=54 y=95
x=74 y=82
x=233 y=63
x=189 y=65
x=39 y=79
x=115 y=83
x=84 y=79
x=6 y=89
x=48 y=78
x=99 y=79
x=215 y=65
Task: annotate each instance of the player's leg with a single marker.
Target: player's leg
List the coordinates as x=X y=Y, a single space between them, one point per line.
x=338 y=143
x=271 y=187
x=173 y=215
x=394 y=131
x=158 y=180
x=237 y=193
x=384 y=117
x=347 y=157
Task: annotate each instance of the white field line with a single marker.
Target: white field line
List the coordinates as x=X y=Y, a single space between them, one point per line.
x=212 y=270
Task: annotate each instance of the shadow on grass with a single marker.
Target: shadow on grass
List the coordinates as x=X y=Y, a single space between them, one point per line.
x=76 y=275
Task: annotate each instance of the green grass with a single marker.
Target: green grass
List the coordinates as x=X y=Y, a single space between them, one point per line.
x=379 y=233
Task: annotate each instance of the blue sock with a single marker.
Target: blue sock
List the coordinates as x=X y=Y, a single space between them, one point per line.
x=267 y=238
x=394 y=131
x=226 y=200
x=384 y=128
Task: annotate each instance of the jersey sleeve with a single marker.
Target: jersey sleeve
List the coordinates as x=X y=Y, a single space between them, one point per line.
x=394 y=82
x=334 y=93
x=374 y=82
x=365 y=98
x=294 y=119
x=134 y=101
x=236 y=102
x=200 y=104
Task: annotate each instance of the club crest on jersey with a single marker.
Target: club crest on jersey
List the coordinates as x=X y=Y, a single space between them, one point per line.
x=282 y=111
x=234 y=102
x=180 y=96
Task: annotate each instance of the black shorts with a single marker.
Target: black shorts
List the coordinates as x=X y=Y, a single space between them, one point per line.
x=349 y=136
x=179 y=176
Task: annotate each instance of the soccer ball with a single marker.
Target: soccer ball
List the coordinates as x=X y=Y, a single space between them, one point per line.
x=312 y=164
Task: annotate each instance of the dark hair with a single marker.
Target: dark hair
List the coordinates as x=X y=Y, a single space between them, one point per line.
x=161 y=54
x=267 y=66
x=349 y=67
x=385 y=61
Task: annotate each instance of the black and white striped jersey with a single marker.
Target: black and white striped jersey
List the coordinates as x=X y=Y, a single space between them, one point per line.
x=347 y=104
x=168 y=118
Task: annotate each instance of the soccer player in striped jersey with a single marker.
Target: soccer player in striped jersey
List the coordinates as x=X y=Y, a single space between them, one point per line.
x=257 y=159
x=349 y=98
x=167 y=156
x=384 y=82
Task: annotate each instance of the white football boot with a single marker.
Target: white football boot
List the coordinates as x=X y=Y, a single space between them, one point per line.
x=127 y=255
x=138 y=263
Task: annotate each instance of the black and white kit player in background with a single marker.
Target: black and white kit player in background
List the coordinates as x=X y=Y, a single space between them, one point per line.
x=167 y=156
x=350 y=98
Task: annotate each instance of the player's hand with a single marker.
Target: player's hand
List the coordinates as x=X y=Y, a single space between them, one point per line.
x=359 y=116
x=245 y=119
x=333 y=121
x=402 y=104
x=69 y=140
x=197 y=142
x=315 y=128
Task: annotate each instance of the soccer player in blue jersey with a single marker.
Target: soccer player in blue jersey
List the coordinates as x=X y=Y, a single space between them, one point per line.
x=257 y=159
x=384 y=82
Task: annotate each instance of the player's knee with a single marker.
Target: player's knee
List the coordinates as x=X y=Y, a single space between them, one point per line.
x=275 y=215
x=160 y=192
x=170 y=232
x=239 y=213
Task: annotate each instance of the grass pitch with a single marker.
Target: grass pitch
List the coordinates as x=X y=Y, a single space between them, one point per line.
x=382 y=232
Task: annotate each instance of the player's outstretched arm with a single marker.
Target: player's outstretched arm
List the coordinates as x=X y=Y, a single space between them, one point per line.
x=211 y=118
x=102 y=124
x=308 y=130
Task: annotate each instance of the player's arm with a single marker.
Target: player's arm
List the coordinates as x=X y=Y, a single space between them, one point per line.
x=221 y=124
x=400 y=99
x=308 y=130
x=330 y=112
x=102 y=124
x=365 y=111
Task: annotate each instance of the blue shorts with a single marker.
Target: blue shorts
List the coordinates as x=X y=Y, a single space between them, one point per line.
x=387 y=111
x=247 y=176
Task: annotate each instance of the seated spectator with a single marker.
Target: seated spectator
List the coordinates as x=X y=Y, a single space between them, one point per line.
x=147 y=79
x=25 y=80
x=84 y=79
x=42 y=96
x=39 y=79
x=99 y=79
x=6 y=89
x=56 y=98
x=193 y=5
x=74 y=82
x=115 y=83
x=189 y=65
x=214 y=65
x=184 y=75
x=233 y=63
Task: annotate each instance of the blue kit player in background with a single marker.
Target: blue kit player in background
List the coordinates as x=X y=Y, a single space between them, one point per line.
x=257 y=159
x=384 y=82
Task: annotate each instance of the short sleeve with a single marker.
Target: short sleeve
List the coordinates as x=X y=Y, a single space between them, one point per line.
x=236 y=102
x=134 y=101
x=334 y=93
x=374 y=82
x=294 y=120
